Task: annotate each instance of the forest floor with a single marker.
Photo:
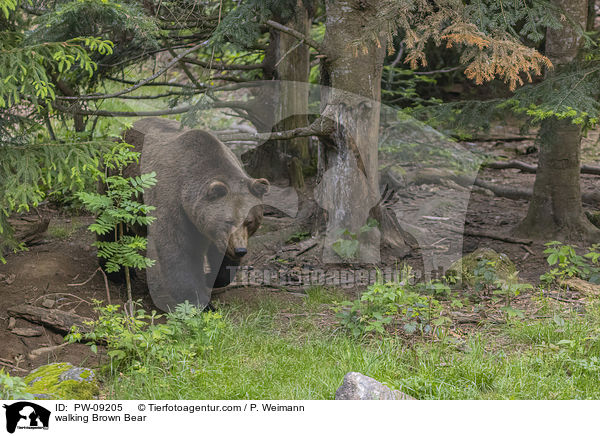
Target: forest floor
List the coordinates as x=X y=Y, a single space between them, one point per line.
x=49 y=270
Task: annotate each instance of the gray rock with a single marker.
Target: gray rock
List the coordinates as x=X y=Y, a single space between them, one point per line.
x=78 y=374
x=357 y=386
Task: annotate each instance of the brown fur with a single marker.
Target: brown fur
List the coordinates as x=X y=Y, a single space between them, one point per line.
x=206 y=208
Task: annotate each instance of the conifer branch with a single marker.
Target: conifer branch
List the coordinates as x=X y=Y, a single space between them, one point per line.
x=140 y=83
x=222 y=65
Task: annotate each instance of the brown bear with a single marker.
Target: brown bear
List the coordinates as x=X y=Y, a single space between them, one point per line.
x=206 y=208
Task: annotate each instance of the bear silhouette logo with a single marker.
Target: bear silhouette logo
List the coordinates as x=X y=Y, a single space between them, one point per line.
x=26 y=415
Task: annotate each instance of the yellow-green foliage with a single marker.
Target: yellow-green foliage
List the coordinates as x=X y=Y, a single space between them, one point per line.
x=45 y=381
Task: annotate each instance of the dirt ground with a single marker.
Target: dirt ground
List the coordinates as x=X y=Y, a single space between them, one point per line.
x=47 y=271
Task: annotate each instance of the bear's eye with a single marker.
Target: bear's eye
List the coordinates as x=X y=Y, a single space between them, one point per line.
x=217 y=190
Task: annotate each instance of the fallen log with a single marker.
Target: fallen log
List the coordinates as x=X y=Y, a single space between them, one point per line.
x=586 y=288
x=55 y=319
x=532 y=169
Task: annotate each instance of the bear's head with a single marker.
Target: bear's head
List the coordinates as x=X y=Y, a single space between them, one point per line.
x=228 y=211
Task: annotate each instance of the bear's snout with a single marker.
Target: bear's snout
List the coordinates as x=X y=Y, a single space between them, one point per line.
x=240 y=251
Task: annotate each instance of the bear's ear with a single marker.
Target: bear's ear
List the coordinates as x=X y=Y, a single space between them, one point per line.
x=217 y=190
x=259 y=187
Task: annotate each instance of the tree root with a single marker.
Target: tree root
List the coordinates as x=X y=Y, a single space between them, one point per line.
x=441 y=177
x=532 y=169
x=487 y=235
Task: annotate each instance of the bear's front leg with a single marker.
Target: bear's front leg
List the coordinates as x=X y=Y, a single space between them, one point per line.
x=222 y=267
x=178 y=274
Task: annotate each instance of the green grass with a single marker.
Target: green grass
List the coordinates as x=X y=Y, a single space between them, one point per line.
x=63 y=230
x=260 y=354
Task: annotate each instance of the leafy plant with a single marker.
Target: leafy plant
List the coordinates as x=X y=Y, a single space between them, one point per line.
x=297 y=237
x=567 y=263
x=487 y=280
x=13 y=388
x=136 y=339
x=117 y=208
x=347 y=246
x=382 y=302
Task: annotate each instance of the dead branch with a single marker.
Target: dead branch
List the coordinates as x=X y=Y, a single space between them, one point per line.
x=561 y=299
x=131 y=82
x=222 y=65
x=298 y=35
x=62 y=293
x=44 y=350
x=88 y=280
x=8 y=365
x=315 y=129
x=156 y=96
x=124 y=114
x=173 y=111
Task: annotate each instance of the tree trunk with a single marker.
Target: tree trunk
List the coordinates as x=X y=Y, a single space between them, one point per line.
x=555 y=211
x=349 y=187
x=591 y=18
x=288 y=61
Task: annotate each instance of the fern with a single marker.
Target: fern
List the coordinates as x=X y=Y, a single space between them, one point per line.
x=118 y=207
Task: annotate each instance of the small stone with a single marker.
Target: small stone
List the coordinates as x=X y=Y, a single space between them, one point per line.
x=28 y=331
x=11 y=323
x=357 y=386
x=48 y=303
